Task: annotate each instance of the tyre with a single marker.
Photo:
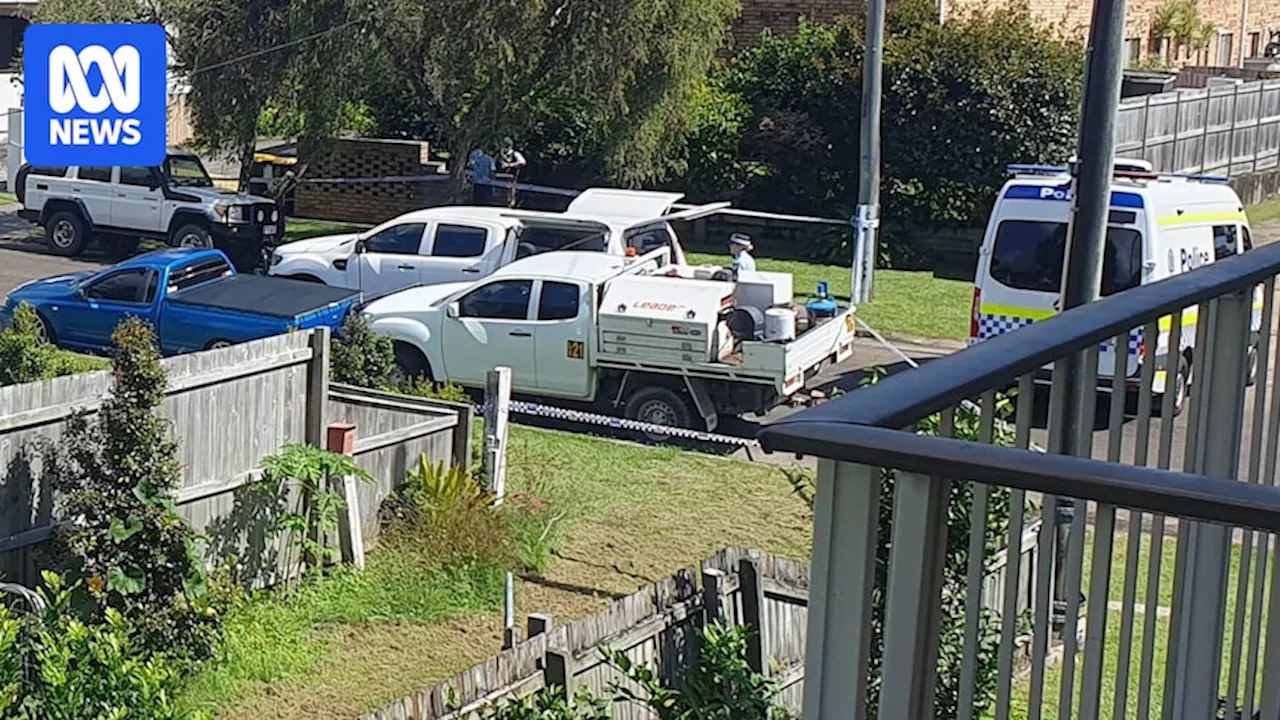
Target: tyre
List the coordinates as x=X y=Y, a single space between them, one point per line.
x=66 y=233
x=659 y=405
x=218 y=345
x=20 y=183
x=46 y=330
x=1181 y=386
x=120 y=246
x=412 y=365
x=192 y=236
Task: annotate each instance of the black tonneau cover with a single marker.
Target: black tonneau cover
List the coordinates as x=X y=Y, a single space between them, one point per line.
x=262 y=295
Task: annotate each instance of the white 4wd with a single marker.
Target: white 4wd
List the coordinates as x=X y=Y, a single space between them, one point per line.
x=462 y=244
x=176 y=203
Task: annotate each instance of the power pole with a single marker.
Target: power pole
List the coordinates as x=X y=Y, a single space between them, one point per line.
x=1082 y=275
x=866 y=222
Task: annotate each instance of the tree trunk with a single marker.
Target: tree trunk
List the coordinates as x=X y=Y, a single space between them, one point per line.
x=459 y=179
x=246 y=163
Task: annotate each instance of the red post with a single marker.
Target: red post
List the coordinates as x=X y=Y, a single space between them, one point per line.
x=342 y=438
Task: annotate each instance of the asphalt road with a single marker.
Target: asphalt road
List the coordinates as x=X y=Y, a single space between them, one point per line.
x=22 y=260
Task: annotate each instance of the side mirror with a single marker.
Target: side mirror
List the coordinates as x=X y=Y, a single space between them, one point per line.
x=360 y=246
x=453 y=310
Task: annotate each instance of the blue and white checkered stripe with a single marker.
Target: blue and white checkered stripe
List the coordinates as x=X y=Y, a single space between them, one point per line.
x=990 y=325
x=547 y=411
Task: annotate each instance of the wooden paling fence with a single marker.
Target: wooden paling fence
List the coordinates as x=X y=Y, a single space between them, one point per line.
x=229 y=409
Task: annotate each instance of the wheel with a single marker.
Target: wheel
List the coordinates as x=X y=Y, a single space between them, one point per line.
x=1181 y=383
x=192 y=236
x=121 y=246
x=66 y=233
x=218 y=345
x=45 y=330
x=658 y=405
x=412 y=365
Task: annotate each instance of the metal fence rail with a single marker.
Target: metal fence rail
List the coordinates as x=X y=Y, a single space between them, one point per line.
x=1226 y=130
x=1155 y=594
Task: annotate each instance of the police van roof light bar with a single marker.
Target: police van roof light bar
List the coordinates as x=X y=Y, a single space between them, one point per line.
x=1215 y=179
x=1036 y=169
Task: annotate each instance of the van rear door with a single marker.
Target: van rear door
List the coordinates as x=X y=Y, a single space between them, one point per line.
x=1020 y=273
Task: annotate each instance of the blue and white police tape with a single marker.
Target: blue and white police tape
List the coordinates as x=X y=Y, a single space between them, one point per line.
x=557 y=413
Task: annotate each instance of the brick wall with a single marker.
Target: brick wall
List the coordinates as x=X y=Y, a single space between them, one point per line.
x=1072 y=17
x=783 y=16
x=367 y=202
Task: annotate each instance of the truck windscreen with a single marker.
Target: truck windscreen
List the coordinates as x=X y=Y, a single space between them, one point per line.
x=1028 y=255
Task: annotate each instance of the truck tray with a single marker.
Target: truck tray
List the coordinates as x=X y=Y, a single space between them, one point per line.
x=260 y=295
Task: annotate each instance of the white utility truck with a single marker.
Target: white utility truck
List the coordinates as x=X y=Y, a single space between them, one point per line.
x=463 y=243
x=1159 y=226
x=669 y=344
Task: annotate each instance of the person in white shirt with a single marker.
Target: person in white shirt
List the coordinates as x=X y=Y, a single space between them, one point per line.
x=511 y=160
x=740 y=246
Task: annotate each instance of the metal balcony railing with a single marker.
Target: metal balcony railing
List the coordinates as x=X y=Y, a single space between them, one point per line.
x=1155 y=593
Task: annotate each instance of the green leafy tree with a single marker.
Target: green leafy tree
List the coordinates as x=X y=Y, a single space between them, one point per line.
x=116 y=474
x=363 y=357
x=618 y=77
x=25 y=353
x=1179 y=21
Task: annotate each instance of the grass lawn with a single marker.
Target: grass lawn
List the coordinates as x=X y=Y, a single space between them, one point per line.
x=1111 y=653
x=300 y=229
x=905 y=303
x=632 y=515
x=8 y=198
x=1264 y=211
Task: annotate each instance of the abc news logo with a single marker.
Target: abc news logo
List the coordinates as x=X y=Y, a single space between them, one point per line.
x=95 y=94
x=69 y=89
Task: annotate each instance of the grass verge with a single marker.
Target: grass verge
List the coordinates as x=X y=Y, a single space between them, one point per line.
x=301 y=229
x=1264 y=211
x=630 y=515
x=905 y=303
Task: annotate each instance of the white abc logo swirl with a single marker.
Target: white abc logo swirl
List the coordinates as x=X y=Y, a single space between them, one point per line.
x=121 y=79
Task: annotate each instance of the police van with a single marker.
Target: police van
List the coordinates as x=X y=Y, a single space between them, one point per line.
x=1159 y=226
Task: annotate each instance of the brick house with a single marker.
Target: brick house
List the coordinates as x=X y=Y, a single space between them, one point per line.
x=1234 y=42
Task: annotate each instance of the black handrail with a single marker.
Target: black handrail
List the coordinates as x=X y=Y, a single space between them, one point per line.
x=1183 y=495
x=900 y=400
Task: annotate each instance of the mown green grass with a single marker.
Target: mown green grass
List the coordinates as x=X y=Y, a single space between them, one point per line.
x=1264 y=211
x=903 y=303
x=301 y=229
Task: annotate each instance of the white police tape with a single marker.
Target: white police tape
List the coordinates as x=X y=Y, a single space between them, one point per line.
x=558 y=413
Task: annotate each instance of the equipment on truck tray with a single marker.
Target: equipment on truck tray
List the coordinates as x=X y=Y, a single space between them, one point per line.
x=823 y=307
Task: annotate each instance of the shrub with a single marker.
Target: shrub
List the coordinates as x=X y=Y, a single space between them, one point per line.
x=720 y=686
x=82 y=669
x=115 y=474
x=448 y=392
x=546 y=704
x=25 y=354
x=443 y=513
x=363 y=357
x=319 y=505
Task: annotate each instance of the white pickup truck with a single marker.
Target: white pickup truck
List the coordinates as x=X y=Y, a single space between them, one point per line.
x=669 y=344
x=461 y=244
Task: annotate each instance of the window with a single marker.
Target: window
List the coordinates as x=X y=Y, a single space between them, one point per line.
x=1225 y=241
x=1028 y=255
x=1255 y=44
x=186 y=171
x=100 y=174
x=1133 y=51
x=130 y=286
x=136 y=176
x=459 y=241
x=649 y=239
x=397 y=240
x=1248 y=239
x=1225 y=41
x=50 y=171
x=535 y=240
x=505 y=300
x=559 y=301
x=198 y=274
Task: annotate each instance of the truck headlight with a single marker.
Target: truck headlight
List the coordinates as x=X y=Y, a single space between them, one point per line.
x=275 y=259
x=238 y=214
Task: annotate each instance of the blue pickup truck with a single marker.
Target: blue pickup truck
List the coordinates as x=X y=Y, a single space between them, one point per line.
x=192 y=297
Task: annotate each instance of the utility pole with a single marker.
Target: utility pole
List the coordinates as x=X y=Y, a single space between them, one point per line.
x=1082 y=272
x=866 y=222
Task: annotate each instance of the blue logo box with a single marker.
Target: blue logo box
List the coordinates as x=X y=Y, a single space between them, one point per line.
x=94 y=95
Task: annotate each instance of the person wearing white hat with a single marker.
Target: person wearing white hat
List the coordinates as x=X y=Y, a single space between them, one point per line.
x=740 y=245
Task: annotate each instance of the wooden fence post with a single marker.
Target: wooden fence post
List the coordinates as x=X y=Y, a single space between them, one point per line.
x=713 y=595
x=497 y=401
x=462 y=438
x=317 y=387
x=557 y=671
x=342 y=439
x=752 y=589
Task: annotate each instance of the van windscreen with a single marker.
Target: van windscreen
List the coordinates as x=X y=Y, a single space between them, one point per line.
x=1028 y=255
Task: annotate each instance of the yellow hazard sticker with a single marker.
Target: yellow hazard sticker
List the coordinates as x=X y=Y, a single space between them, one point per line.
x=576 y=350
x=848 y=323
